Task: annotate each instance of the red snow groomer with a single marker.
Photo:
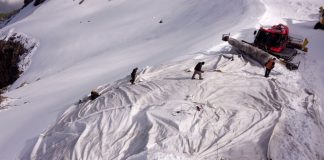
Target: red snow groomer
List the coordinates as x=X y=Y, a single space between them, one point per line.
x=276 y=41
x=271 y=42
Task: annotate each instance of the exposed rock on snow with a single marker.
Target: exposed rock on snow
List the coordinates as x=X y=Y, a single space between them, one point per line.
x=10 y=52
x=36 y=3
x=15 y=56
x=2 y=99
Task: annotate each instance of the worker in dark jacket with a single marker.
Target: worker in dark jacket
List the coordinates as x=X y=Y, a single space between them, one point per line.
x=198 y=70
x=133 y=75
x=269 y=66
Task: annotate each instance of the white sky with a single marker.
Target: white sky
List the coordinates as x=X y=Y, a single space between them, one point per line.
x=9 y=5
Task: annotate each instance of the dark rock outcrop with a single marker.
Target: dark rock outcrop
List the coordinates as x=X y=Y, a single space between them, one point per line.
x=26 y=2
x=1 y=97
x=94 y=95
x=36 y=3
x=10 y=52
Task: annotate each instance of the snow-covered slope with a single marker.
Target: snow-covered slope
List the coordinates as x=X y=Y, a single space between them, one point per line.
x=84 y=46
x=242 y=116
x=158 y=118
x=301 y=16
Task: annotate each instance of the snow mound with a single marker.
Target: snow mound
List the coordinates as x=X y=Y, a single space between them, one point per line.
x=234 y=113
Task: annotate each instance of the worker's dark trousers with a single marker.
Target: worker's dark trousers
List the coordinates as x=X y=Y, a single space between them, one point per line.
x=267 y=72
x=133 y=79
x=197 y=72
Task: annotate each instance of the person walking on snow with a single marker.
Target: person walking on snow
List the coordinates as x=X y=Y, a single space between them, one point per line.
x=198 y=70
x=269 y=66
x=133 y=75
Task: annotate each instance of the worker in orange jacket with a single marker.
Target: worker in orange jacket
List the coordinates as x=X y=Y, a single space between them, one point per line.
x=269 y=66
